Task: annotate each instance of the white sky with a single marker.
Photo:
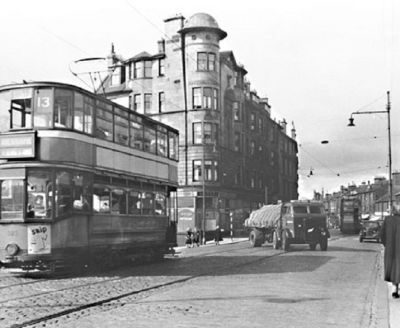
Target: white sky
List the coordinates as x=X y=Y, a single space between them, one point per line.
x=317 y=62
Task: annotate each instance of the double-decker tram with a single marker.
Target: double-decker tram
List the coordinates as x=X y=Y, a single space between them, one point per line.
x=82 y=178
x=349 y=215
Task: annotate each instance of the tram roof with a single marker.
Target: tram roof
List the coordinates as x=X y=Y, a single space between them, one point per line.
x=76 y=88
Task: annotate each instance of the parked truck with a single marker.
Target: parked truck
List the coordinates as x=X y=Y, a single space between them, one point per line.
x=294 y=222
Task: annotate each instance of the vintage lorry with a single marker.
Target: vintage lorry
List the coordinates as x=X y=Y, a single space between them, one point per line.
x=294 y=222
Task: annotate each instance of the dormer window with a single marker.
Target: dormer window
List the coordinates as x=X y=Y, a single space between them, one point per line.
x=118 y=76
x=148 y=65
x=142 y=69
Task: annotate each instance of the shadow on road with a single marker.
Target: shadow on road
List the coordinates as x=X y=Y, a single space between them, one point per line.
x=264 y=298
x=351 y=249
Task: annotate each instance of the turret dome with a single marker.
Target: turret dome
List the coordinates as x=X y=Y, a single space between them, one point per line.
x=201 y=22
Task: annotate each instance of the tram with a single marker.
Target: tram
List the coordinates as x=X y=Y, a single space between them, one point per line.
x=82 y=178
x=349 y=215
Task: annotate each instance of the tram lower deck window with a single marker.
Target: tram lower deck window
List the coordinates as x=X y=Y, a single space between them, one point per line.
x=12 y=192
x=39 y=193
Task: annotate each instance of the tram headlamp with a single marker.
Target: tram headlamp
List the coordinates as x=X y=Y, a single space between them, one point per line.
x=12 y=249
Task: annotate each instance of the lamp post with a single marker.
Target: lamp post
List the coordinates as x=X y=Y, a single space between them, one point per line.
x=203 y=174
x=387 y=111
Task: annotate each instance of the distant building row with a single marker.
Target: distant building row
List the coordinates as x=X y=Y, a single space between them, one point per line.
x=374 y=197
x=230 y=149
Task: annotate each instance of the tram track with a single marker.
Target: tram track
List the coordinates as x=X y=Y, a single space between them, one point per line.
x=47 y=311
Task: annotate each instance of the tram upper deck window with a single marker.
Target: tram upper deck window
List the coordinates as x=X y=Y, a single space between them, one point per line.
x=63 y=101
x=173 y=145
x=104 y=121
x=162 y=141
x=12 y=191
x=136 y=132
x=149 y=139
x=16 y=109
x=121 y=126
x=88 y=110
x=43 y=109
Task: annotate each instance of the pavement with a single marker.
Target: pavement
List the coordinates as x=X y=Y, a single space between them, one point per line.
x=385 y=308
x=210 y=243
x=393 y=305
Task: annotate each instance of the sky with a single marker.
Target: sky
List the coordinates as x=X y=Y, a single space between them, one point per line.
x=317 y=62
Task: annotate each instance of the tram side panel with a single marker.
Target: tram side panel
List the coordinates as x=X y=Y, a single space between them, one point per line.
x=119 y=233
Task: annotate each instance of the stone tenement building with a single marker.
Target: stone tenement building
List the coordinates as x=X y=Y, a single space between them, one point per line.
x=231 y=150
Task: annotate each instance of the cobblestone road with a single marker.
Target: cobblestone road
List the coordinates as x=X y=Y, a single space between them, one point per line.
x=230 y=285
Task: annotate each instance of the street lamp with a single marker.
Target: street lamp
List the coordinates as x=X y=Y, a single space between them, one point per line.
x=387 y=111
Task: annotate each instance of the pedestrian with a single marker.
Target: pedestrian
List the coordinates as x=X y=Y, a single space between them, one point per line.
x=217 y=235
x=390 y=236
x=196 y=237
x=189 y=238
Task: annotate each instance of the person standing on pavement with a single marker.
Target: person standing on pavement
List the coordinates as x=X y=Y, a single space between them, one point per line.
x=196 y=237
x=390 y=237
x=189 y=238
x=217 y=235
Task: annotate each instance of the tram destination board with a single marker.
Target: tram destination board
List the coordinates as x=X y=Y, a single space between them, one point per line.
x=17 y=145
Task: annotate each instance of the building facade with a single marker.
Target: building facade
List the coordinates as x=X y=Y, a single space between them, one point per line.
x=233 y=156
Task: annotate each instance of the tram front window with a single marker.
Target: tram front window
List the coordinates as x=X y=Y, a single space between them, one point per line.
x=63 y=108
x=12 y=192
x=39 y=191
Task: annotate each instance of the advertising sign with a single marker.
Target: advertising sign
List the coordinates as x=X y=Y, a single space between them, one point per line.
x=39 y=239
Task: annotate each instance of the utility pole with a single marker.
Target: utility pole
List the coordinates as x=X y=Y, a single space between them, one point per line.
x=203 y=174
x=390 y=157
x=387 y=111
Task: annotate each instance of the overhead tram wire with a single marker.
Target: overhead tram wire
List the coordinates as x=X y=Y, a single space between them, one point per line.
x=62 y=39
x=318 y=161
